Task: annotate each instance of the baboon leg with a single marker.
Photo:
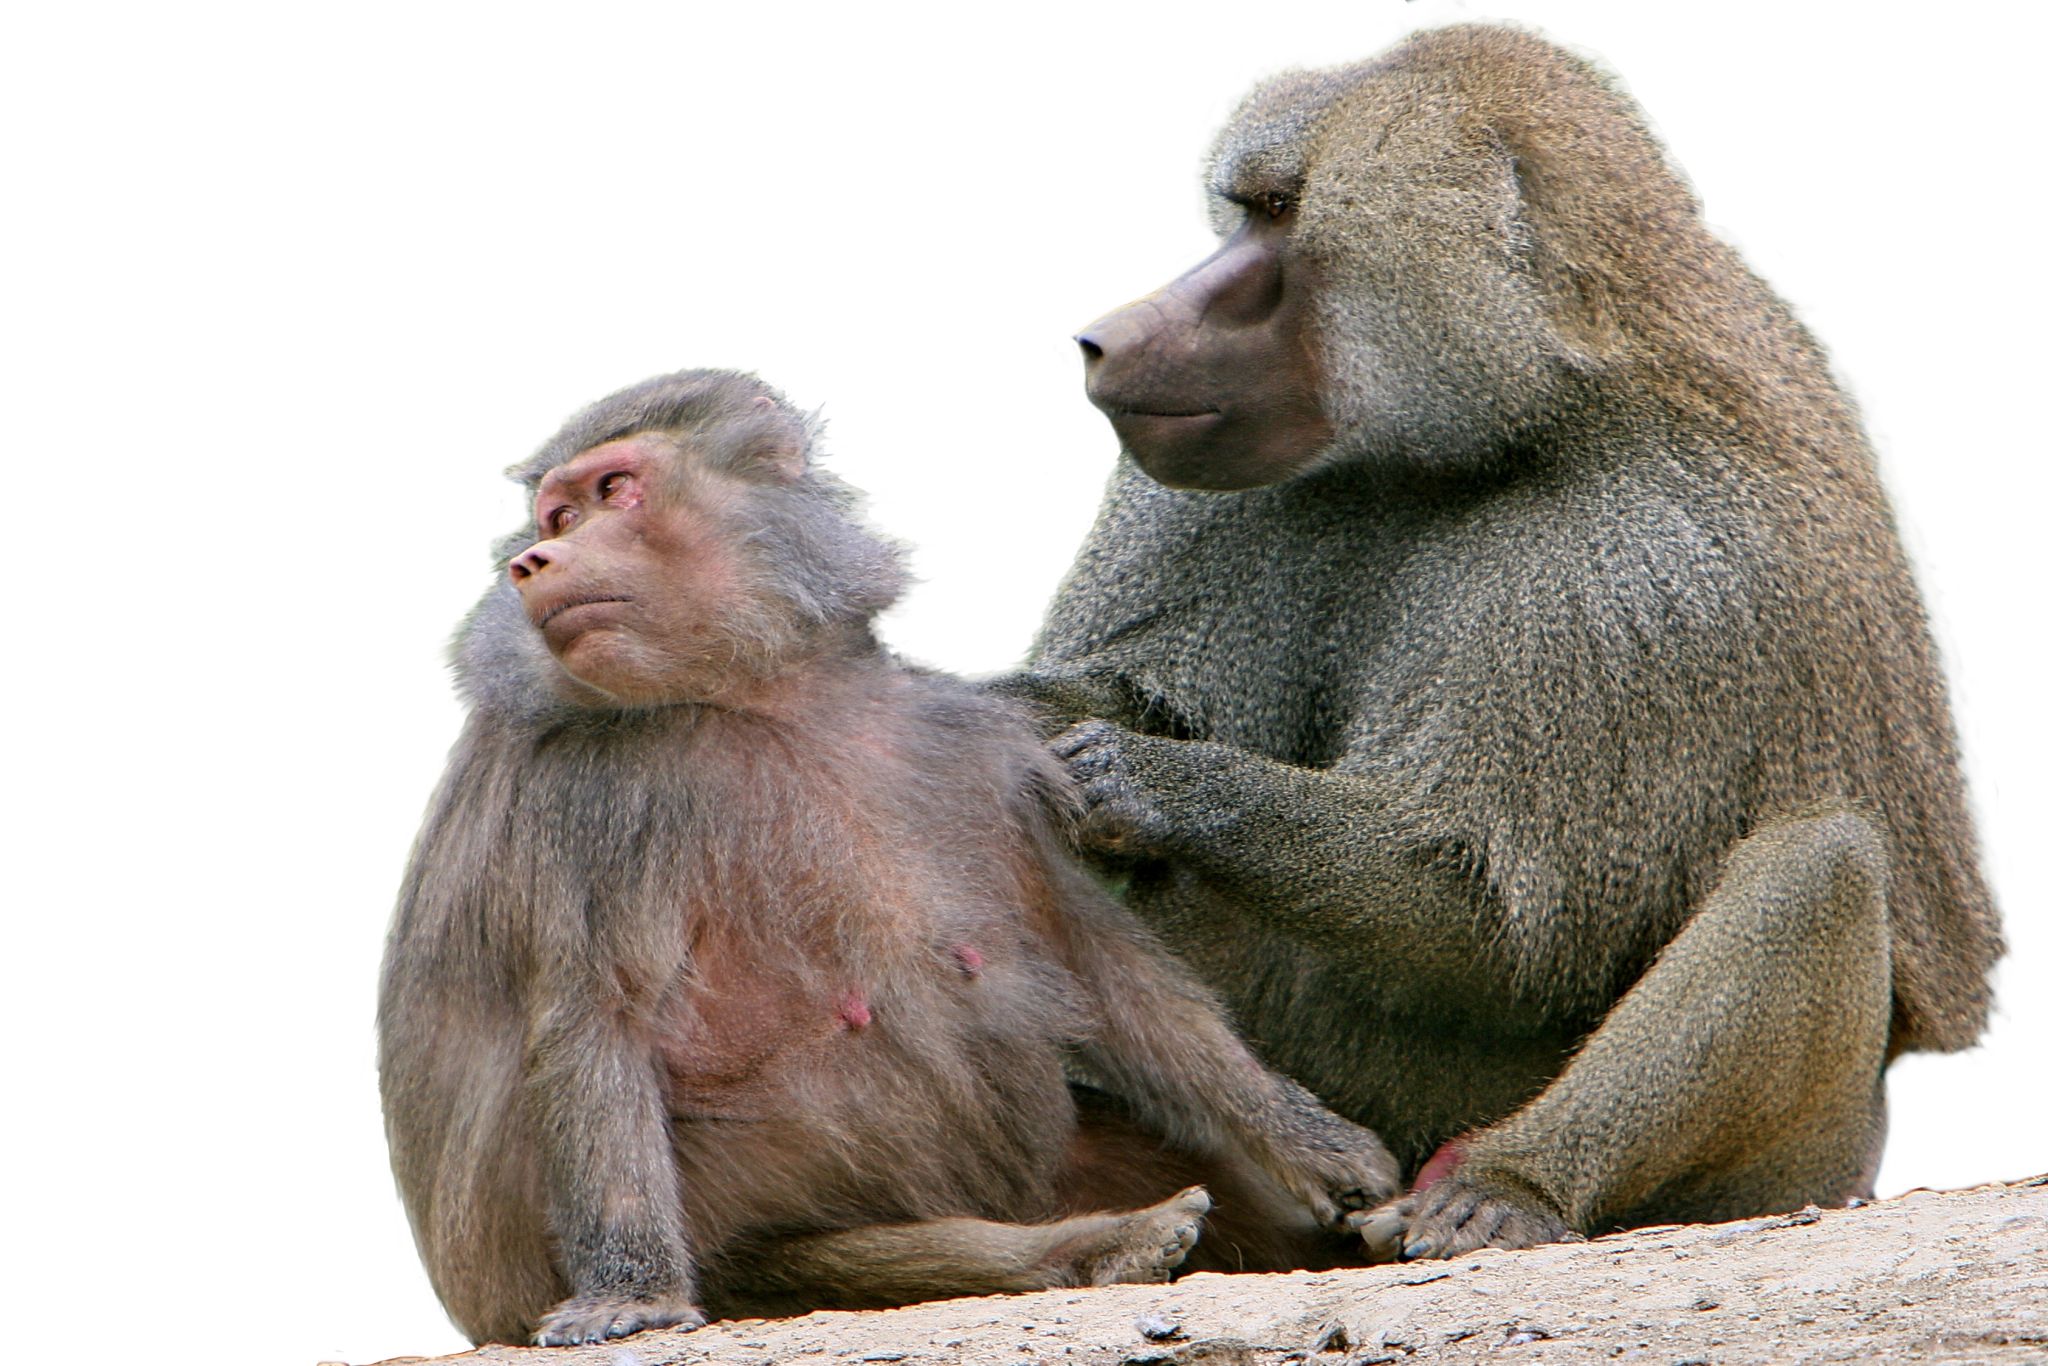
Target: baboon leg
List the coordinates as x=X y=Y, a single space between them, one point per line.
x=1742 y=1074
x=890 y=1264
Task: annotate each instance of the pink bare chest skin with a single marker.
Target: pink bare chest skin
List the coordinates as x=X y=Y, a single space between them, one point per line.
x=735 y=1023
x=829 y=930
x=867 y=1002
x=740 y=1025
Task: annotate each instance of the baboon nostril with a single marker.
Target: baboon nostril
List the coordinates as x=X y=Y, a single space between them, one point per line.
x=1090 y=352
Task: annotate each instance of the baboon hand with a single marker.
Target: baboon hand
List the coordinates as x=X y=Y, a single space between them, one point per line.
x=593 y=1318
x=1340 y=1172
x=1119 y=815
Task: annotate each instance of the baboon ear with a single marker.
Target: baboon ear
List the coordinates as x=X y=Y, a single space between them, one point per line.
x=778 y=443
x=1564 y=250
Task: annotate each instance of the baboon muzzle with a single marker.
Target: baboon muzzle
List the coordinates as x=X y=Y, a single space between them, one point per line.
x=1209 y=382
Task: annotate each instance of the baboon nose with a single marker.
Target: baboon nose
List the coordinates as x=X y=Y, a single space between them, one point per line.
x=525 y=566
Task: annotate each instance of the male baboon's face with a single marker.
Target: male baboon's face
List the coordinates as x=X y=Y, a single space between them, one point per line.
x=1211 y=382
x=1383 y=295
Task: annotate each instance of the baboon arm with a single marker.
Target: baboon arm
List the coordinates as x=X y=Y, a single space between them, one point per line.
x=1160 y=1039
x=614 y=1195
x=1317 y=852
x=1163 y=1044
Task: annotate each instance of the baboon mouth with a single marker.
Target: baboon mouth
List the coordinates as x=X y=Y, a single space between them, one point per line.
x=1124 y=410
x=571 y=606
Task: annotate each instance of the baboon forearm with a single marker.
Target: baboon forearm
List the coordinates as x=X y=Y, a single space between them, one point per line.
x=614 y=1196
x=1163 y=1044
x=1315 y=851
x=1161 y=1039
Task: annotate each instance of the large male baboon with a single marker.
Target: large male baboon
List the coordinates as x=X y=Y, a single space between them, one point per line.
x=1509 y=691
x=737 y=964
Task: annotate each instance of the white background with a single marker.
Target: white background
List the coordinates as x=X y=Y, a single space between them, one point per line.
x=286 y=286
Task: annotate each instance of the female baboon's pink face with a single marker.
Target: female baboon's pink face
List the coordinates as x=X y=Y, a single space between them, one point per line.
x=631 y=570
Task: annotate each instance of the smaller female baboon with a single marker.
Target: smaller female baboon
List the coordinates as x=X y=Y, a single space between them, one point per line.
x=740 y=969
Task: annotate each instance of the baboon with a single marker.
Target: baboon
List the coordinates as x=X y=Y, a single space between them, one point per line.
x=1496 y=671
x=740 y=968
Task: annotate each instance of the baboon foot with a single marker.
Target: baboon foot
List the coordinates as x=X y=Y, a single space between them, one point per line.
x=593 y=1318
x=1382 y=1228
x=1145 y=1245
x=1457 y=1215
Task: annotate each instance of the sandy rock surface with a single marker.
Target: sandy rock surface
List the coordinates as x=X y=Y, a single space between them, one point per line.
x=1956 y=1277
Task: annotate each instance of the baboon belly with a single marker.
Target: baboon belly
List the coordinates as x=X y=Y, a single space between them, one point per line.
x=879 y=1110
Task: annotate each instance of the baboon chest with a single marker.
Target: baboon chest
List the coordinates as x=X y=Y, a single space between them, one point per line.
x=855 y=1017
x=1255 y=621
x=830 y=985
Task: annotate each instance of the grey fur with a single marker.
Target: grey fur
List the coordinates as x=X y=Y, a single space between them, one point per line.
x=711 y=1005
x=1579 y=689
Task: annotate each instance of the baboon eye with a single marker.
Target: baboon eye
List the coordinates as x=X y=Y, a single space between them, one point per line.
x=561 y=519
x=1276 y=203
x=611 y=484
